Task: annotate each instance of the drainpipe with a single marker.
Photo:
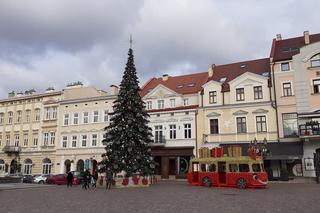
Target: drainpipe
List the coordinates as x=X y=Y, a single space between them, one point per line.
x=196 y=128
x=275 y=106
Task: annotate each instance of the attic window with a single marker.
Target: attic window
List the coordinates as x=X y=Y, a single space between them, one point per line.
x=180 y=86
x=243 y=65
x=265 y=74
x=149 y=90
x=223 y=79
x=289 y=49
x=191 y=84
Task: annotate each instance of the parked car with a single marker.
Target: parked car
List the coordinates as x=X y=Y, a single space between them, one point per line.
x=27 y=179
x=40 y=179
x=61 y=179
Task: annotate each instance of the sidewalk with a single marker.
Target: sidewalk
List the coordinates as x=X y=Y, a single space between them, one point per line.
x=11 y=186
x=305 y=180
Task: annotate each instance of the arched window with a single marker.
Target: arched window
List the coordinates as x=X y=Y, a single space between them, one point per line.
x=46 y=166
x=2 y=167
x=315 y=60
x=80 y=165
x=27 y=166
x=67 y=164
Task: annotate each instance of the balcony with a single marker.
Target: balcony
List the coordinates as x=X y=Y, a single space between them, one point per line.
x=309 y=130
x=11 y=149
x=159 y=141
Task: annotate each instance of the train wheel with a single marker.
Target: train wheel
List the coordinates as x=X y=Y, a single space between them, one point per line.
x=242 y=183
x=206 y=181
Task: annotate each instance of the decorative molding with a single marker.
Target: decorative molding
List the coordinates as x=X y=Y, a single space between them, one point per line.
x=213 y=114
x=172 y=120
x=186 y=119
x=258 y=111
x=240 y=112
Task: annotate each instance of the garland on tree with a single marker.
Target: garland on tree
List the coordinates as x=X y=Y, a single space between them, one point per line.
x=128 y=135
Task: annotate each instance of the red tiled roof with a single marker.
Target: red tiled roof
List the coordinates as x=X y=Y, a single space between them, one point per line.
x=232 y=71
x=286 y=48
x=184 y=84
x=173 y=109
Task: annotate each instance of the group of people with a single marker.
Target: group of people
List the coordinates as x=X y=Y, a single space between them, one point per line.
x=89 y=179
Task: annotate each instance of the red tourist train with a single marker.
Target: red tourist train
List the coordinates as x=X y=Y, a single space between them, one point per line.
x=222 y=171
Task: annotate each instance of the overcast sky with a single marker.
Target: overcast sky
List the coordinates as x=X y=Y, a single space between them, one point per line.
x=54 y=42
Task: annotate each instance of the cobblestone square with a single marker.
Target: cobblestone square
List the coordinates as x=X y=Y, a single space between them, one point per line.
x=166 y=196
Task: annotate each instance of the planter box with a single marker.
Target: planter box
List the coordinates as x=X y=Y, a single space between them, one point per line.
x=130 y=182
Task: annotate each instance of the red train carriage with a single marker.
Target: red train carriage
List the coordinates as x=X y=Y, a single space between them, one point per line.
x=241 y=172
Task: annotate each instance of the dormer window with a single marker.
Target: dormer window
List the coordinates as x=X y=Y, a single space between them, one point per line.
x=180 y=86
x=191 y=84
x=185 y=102
x=160 y=104
x=223 y=79
x=149 y=105
x=240 y=94
x=315 y=61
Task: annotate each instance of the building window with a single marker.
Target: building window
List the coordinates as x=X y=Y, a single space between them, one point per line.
x=1 y=118
x=158 y=134
x=241 y=125
x=84 y=140
x=54 y=112
x=46 y=166
x=85 y=117
x=64 y=141
x=46 y=139
x=315 y=61
x=66 y=120
x=240 y=94
x=10 y=117
x=94 y=139
x=75 y=118
x=185 y=102
x=160 y=104
x=149 y=105
x=47 y=113
x=316 y=86
x=212 y=97
x=95 y=116
x=27 y=167
x=37 y=115
x=290 y=124
x=35 y=139
x=106 y=116
x=257 y=92
x=52 y=138
x=172 y=103
x=8 y=139
x=19 y=115
x=287 y=89
x=214 y=126
x=261 y=123
x=74 y=141
x=187 y=130
x=16 y=140
x=285 y=66
x=25 y=139
x=173 y=131
x=28 y=112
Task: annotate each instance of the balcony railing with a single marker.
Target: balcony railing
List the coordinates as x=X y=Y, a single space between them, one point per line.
x=11 y=149
x=159 y=141
x=309 y=130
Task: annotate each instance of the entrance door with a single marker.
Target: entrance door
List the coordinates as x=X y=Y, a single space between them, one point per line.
x=14 y=167
x=172 y=166
x=222 y=172
x=317 y=164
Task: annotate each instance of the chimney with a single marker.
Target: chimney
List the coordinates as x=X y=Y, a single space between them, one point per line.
x=279 y=37
x=210 y=70
x=165 y=77
x=113 y=90
x=11 y=94
x=306 y=37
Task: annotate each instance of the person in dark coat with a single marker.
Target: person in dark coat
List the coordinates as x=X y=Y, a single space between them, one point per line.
x=69 y=179
x=109 y=178
x=94 y=179
x=86 y=180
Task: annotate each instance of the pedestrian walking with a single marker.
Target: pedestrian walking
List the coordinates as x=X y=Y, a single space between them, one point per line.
x=69 y=179
x=86 y=180
x=109 y=178
x=94 y=179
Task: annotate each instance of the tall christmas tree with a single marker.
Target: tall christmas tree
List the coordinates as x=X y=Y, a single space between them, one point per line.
x=128 y=135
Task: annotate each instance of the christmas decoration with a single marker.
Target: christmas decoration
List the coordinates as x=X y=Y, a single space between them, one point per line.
x=128 y=135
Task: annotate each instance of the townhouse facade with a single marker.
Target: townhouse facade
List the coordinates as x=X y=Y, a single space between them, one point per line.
x=172 y=104
x=28 y=130
x=295 y=64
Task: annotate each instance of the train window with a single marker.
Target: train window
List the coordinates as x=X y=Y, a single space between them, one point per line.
x=244 y=168
x=212 y=168
x=256 y=167
x=233 y=168
x=203 y=168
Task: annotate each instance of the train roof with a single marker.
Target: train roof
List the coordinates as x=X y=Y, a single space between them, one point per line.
x=227 y=159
